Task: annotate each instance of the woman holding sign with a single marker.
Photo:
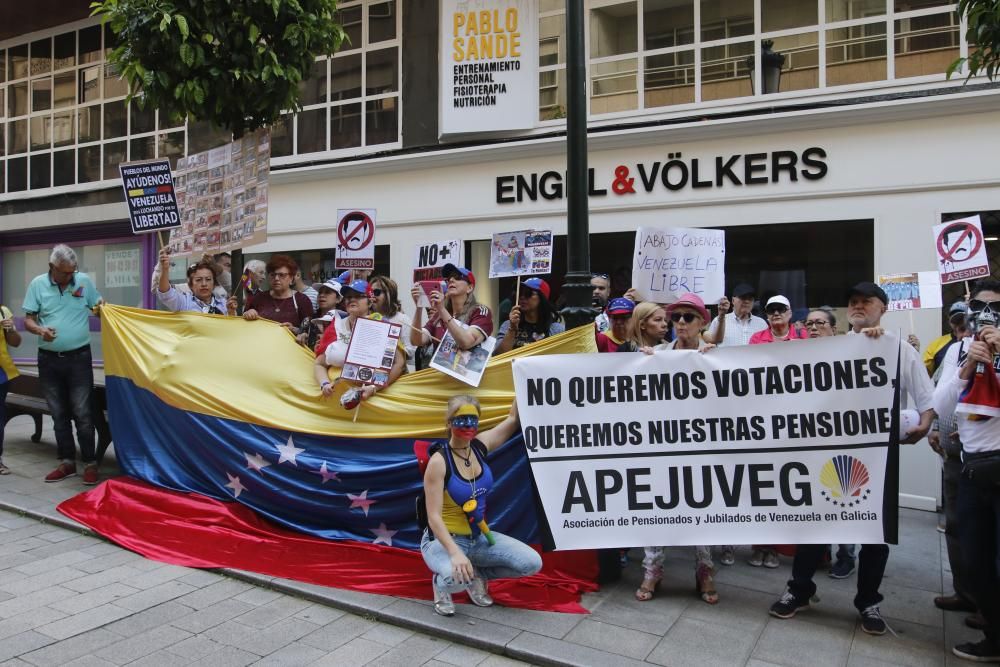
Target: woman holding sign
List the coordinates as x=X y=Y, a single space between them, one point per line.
x=689 y=316
x=458 y=545
x=337 y=337
x=456 y=312
x=531 y=320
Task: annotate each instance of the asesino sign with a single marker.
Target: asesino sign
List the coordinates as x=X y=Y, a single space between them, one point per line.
x=770 y=444
x=488 y=55
x=672 y=174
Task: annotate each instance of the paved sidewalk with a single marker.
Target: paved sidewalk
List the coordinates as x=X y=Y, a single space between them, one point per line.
x=58 y=603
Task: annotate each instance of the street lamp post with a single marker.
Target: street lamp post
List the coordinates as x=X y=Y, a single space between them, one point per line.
x=576 y=286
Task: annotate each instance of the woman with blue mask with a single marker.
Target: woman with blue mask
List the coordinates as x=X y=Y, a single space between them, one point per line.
x=458 y=545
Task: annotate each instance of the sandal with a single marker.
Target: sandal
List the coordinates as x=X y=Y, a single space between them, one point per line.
x=704 y=585
x=647 y=588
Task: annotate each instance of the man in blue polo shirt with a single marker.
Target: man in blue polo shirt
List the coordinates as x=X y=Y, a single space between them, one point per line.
x=57 y=308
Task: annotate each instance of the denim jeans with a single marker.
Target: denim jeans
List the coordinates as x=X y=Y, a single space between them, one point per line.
x=871 y=567
x=979 y=532
x=507 y=558
x=68 y=383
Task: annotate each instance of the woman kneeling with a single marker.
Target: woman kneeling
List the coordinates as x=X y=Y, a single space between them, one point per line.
x=458 y=546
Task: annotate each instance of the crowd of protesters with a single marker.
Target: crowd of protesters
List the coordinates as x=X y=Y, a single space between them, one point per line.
x=322 y=317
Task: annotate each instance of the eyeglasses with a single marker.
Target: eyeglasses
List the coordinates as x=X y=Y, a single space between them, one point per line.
x=281 y=275
x=687 y=317
x=465 y=421
x=977 y=305
x=816 y=323
x=378 y=292
x=776 y=309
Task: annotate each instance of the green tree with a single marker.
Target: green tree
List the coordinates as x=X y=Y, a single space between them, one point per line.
x=234 y=63
x=983 y=35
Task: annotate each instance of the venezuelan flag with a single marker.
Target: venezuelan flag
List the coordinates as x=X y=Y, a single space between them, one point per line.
x=234 y=460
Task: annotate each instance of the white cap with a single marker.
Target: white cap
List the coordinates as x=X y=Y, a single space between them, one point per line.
x=777 y=298
x=331 y=283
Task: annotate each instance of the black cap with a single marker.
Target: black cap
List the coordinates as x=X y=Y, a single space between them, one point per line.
x=744 y=289
x=869 y=289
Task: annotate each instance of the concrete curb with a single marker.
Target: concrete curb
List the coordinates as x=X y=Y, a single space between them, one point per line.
x=460 y=629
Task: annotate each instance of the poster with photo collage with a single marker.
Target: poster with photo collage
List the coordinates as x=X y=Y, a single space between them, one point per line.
x=222 y=195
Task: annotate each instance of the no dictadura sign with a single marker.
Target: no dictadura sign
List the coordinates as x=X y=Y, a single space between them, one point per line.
x=149 y=193
x=770 y=444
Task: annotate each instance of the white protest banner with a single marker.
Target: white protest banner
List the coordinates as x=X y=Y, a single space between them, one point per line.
x=488 y=55
x=371 y=351
x=355 y=239
x=762 y=444
x=671 y=262
x=911 y=291
x=464 y=365
x=961 y=250
x=430 y=258
x=524 y=253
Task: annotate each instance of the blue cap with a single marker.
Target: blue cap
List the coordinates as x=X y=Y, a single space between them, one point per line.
x=344 y=278
x=620 y=306
x=359 y=286
x=449 y=270
x=538 y=285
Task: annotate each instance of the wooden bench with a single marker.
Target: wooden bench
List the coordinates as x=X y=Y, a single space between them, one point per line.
x=25 y=397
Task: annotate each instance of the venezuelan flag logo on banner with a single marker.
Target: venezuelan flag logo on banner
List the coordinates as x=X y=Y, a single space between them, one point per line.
x=234 y=460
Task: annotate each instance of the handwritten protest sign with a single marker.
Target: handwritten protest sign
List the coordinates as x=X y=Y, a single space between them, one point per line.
x=371 y=351
x=670 y=262
x=524 y=253
x=911 y=291
x=961 y=250
x=429 y=258
x=767 y=444
x=464 y=365
x=150 y=196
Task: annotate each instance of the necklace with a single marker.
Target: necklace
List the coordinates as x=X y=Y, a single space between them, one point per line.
x=467 y=458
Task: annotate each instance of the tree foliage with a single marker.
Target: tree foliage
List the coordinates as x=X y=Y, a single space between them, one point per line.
x=983 y=35
x=235 y=63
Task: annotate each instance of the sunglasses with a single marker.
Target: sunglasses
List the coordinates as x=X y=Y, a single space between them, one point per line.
x=687 y=317
x=977 y=305
x=776 y=309
x=816 y=323
x=378 y=292
x=465 y=421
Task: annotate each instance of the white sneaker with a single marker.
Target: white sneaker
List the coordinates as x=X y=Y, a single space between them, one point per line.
x=771 y=560
x=478 y=592
x=442 y=602
x=756 y=558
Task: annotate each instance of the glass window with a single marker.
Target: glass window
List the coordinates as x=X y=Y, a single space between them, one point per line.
x=313 y=88
x=311 y=137
x=3 y=185
x=88 y=166
x=3 y=141
x=382 y=72
x=90 y=84
x=114 y=155
x=141 y=120
x=381 y=122
x=41 y=176
x=65 y=51
x=64 y=167
x=722 y=19
x=856 y=54
x=667 y=23
x=90 y=123
x=41 y=94
x=552 y=40
x=345 y=78
x=785 y=14
x=926 y=44
x=281 y=138
x=90 y=44
x=202 y=136
x=17 y=174
x=613 y=86
x=552 y=94
x=350 y=20
x=669 y=79
x=17 y=99
x=41 y=132
x=143 y=148
x=41 y=57
x=724 y=71
x=17 y=62
x=63 y=125
x=613 y=30
x=800 y=70
x=114 y=119
x=170 y=146
x=845 y=10
x=382 y=21
x=908 y=5
x=64 y=89
x=345 y=126
x=18 y=133
x=3 y=72
x=114 y=85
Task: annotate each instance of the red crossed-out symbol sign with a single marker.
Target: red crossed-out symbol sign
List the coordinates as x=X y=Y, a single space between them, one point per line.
x=355 y=231
x=961 y=237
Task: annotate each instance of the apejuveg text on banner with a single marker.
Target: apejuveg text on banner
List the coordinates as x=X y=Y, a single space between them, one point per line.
x=747 y=445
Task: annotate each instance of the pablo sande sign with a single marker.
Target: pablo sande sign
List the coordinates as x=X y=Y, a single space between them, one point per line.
x=769 y=444
x=673 y=174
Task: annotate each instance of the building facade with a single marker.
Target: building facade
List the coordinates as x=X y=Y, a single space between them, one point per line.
x=829 y=174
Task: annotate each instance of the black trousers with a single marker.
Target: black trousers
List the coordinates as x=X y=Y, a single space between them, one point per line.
x=871 y=567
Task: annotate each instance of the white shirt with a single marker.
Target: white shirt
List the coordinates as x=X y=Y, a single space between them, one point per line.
x=982 y=435
x=913 y=378
x=738 y=331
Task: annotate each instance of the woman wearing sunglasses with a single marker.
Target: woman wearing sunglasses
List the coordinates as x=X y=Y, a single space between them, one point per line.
x=458 y=546
x=385 y=302
x=689 y=316
x=531 y=320
x=456 y=312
